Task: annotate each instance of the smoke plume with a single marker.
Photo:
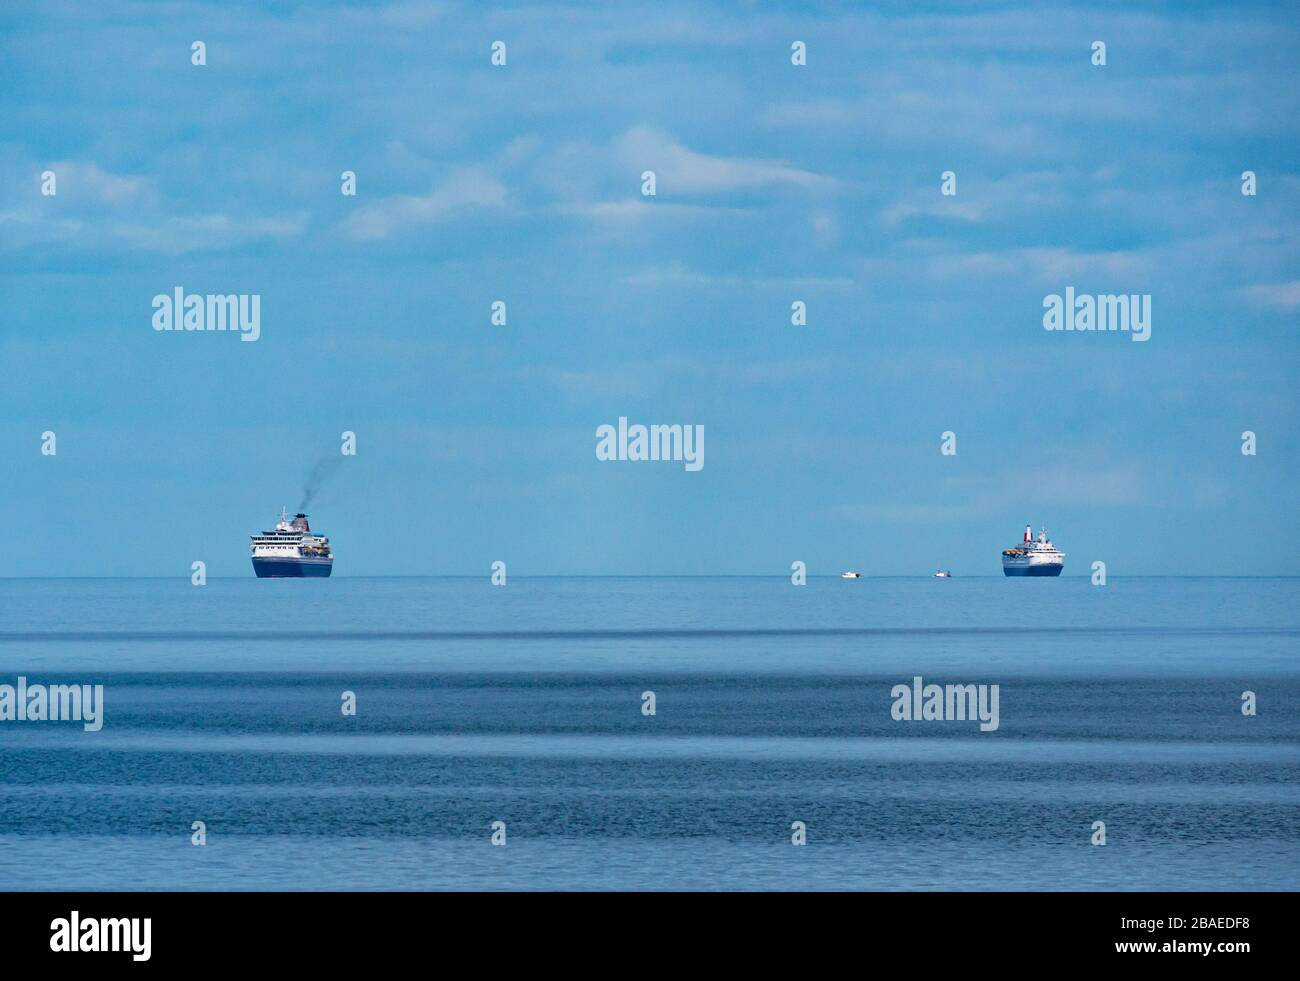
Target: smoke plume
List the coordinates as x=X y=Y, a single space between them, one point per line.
x=320 y=473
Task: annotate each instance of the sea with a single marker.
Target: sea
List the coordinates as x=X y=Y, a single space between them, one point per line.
x=653 y=734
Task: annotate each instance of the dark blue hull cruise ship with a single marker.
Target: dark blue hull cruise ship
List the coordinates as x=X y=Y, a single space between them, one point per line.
x=1033 y=557
x=291 y=550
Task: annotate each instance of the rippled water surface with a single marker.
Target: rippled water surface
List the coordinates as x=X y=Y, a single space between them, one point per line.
x=523 y=704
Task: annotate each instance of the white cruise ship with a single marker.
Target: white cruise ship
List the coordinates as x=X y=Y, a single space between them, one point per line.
x=290 y=549
x=1033 y=557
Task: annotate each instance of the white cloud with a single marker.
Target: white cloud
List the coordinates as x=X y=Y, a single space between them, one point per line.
x=463 y=190
x=197 y=233
x=681 y=170
x=676 y=274
x=1277 y=296
x=85 y=181
x=936 y=260
x=1016 y=195
x=173 y=235
x=938 y=208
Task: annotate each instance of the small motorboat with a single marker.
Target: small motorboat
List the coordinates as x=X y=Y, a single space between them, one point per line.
x=850 y=575
x=943 y=574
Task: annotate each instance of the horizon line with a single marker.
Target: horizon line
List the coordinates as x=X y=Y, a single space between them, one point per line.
x=667 y=575
x=634 y=633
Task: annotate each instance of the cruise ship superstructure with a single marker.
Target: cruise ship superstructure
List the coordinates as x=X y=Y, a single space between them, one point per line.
x=291 y=550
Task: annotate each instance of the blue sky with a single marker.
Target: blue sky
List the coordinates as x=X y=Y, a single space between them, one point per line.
x=776 y=183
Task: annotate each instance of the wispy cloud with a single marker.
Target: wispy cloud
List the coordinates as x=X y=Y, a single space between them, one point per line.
x=148 y=231
x=932 y=260
x=463 y=191
x=199 y=233
x=679 y=169
x=676 y=274
x=938 y=208
x=86 y=182
x=1276 y=296
x=634 y=210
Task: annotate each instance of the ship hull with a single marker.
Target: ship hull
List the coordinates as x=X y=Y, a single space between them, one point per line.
x=292 y=568
x=1046 y=569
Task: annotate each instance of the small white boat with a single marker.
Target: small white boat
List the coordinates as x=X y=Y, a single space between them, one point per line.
x=850 y=575
x=943 y=574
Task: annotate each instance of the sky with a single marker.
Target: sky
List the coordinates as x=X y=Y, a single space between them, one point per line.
x=775 y=183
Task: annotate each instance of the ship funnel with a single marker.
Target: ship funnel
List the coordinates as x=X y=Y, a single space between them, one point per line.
x=300 y=523
x=1029 y=533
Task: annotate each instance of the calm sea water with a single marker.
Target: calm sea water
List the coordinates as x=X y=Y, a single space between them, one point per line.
x=523 y=704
